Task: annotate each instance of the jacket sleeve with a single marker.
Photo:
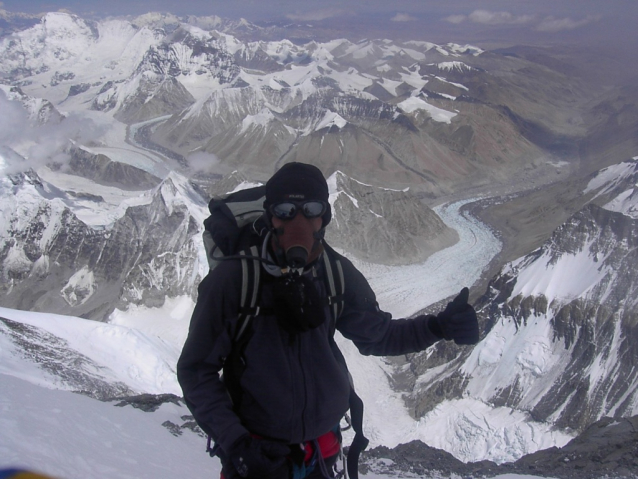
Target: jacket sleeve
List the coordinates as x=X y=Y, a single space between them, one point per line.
x=373 y=331
x=208 y=343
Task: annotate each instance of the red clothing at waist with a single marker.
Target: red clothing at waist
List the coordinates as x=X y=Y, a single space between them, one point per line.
x=328 y=445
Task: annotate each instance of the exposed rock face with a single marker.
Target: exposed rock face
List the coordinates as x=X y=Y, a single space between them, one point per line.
x=100 y=168
x=588 y=333
x=148 y=402
x=39 y=111
x=607 y=448
x=183 y=50
x=383 y=225
x=156 y=96
x=152 y=402
x=221 y=111
x=52 y=261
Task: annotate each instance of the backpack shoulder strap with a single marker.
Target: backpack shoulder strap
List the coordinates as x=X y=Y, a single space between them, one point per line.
x=249 y=297
x=250 y=277
x=335 y=283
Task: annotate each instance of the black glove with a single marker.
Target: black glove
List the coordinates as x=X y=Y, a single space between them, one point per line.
x=259 y=458
x=457 y=321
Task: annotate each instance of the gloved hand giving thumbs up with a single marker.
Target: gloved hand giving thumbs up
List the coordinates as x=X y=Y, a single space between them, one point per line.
x=457 y=321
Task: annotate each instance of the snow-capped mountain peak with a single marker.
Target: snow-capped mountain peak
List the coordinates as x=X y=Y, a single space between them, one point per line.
x=620 y=183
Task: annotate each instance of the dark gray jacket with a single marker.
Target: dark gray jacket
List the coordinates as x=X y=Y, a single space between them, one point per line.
x=293 y=388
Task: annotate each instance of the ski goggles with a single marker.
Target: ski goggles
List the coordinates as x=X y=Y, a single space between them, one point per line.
x=287 y=210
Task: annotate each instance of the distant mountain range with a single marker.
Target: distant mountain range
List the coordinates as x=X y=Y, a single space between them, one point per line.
x=360 y=107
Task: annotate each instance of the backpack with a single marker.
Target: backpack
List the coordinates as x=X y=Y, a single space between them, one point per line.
x=234 y=231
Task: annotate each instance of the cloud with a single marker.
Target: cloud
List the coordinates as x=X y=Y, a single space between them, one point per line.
x=317 y=15
x=13 y=120
x=35 y=145
x=552 y=25
x=548 y=24
x=487 y=17
x=456 y=19
x=202 y=162
x=205 y=22
x=403 y=17
x=499 y=18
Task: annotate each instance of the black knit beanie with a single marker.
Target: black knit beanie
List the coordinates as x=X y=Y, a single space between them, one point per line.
x=298 y=182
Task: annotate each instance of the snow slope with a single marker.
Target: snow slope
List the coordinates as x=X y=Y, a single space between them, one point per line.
x=146 y=363
x=70 y=436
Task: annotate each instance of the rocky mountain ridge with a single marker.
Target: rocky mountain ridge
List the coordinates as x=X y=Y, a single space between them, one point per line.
x=607 y=448
x=54 y=261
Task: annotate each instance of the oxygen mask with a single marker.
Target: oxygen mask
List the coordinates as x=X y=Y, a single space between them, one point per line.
x=298 y=235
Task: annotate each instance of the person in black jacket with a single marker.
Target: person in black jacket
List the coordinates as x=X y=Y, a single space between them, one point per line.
x=294 y=388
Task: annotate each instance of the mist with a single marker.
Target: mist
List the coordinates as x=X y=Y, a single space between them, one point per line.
x=28 y=143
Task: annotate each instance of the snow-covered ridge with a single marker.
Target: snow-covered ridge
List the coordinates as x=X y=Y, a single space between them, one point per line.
x=39 y=110
x=145 y=363
x=261 y=119
x=570 y=276
x=577 y=289
x=465 y=49
x=413 y=104
x=609 y=178
x=67 y=41
x=331 y=119
x=94 y=439
x=622 y=180
x=107 y=51
x=455 y=65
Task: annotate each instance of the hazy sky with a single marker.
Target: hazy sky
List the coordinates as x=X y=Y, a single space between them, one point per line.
x=535 y=21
